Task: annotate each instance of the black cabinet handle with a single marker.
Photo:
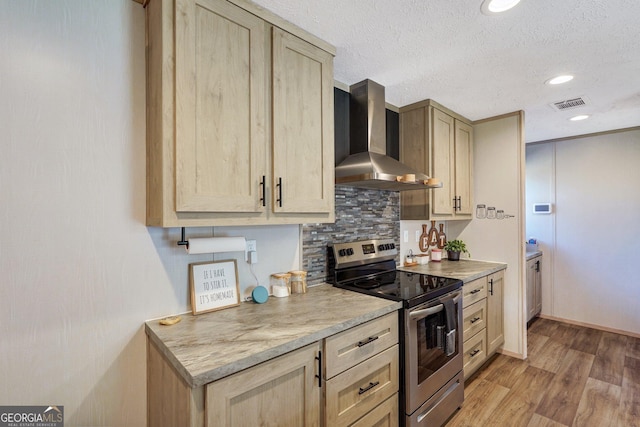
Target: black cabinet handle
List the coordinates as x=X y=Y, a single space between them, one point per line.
x=369 y=387
x=367 y=341
x=475 y=291
x=319 y=375
x=455 y=204
x=537 y=266
x=491 y=286
x=279 y=185
x=474 y=320
x=459 y=203
x=474 y=352
x=264 y=189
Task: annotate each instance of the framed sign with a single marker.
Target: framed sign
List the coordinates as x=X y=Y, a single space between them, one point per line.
x=214 y=285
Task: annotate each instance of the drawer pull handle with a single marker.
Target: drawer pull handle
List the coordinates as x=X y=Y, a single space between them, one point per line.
x=367 y=341
x=369 y=387
x=475 y=291
x=474 y=320
x=474 y=352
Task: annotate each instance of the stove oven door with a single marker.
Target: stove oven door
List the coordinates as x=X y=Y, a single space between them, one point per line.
x=433 y=352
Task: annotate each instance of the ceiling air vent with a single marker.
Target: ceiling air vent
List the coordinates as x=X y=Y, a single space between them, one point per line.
x=569 y=104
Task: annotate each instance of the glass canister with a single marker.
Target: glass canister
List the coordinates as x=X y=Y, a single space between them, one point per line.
x=298 y=281
x=280 y=284
x=491 y=212
x=481 y=211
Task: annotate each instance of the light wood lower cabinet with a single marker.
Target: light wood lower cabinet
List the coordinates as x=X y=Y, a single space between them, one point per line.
x=357 y=391
x=362 y=373
x=348 y=379
x=495 y=312
x=483 y=320
x=284 y=391
x=534 y=287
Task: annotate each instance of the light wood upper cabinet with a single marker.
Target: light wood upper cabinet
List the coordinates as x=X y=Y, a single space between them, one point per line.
x=463 y=168
x=438 y=142
x=303 y=141
x=221 y=98
x=236 y=106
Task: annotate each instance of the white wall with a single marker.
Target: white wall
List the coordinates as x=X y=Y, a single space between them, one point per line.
x=79 y=271
x=591 y=241
x=498 y=182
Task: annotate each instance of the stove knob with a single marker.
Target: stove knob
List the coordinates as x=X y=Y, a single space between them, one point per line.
x=350 y=251
x=387 y=246
x=392 y=245
x=381 y=247
x=342 y=252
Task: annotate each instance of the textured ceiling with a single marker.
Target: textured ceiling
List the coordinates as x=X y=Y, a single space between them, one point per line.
x=483 y=66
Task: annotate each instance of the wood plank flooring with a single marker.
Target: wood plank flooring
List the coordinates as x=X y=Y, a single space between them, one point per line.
x=574 y=377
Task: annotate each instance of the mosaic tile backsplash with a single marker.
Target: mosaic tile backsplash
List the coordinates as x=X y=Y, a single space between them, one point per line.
x=360 y=214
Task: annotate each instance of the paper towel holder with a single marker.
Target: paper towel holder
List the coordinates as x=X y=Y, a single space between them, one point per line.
x=183 y=241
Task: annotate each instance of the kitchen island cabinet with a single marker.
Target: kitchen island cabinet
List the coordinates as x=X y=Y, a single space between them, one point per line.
x=239 y=117
x=438 y=142
x=207 y=368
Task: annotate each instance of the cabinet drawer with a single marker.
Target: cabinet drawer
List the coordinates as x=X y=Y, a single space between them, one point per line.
x=352 y=346
x=474 y=318
x=474 y=291
x=475 y=352
x=360 y=389
x=384 y=415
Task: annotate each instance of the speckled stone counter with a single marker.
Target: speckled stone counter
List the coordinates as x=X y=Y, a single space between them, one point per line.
x=532 y=254
x=465 y=269
x=211 y=346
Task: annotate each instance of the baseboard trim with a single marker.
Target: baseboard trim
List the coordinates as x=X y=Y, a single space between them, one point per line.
x=591 y=325
x=511 y=354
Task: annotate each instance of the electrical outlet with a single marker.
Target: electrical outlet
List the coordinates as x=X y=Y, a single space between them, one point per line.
x=251 y=246
x=417 y=236
x=406 y=236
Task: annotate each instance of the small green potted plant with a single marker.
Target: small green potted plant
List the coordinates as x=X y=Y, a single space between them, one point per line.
x=453 y=248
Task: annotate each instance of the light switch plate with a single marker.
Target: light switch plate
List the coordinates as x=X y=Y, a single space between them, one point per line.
x=406 y=236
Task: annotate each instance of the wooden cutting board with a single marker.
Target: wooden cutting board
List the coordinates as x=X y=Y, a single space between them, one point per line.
x=433 y=234
x=442 y=238
x=423 y=244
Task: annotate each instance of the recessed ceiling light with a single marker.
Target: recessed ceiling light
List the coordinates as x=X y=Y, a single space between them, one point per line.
x=580 y=117
x=559 y=80
x=489 y=7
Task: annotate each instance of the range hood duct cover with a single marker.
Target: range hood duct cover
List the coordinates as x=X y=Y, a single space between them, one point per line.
x=368 y=166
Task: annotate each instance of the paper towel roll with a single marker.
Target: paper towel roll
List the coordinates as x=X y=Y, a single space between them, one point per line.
x=216 y=244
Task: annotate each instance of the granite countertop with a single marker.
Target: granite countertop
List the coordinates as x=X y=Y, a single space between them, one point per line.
x=211 y=346
x=532 y=254
x=465 y=269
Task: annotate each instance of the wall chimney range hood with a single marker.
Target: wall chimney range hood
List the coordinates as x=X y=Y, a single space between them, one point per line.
x=368 y=166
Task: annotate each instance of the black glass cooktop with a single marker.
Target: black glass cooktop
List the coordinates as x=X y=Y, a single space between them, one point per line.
x=411 y=288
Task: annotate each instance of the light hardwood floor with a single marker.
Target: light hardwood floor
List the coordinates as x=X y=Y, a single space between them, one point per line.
x=574 y=376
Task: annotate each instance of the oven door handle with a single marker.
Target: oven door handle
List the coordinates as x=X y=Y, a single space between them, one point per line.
x=425 y=312
x=421 y=314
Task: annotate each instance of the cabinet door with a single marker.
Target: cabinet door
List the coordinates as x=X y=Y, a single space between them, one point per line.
x=414 y=152
x=531 y=285
x=463 y=168
x=281 y=392
x=495 y=311
x=221 y=107
x=538 y=285
x=303 y=160
x=442 y=138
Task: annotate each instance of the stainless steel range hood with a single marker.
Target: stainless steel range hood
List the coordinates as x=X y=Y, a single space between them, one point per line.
x=368 y=166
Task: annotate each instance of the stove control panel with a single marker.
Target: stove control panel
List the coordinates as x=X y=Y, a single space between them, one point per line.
x=364 y=251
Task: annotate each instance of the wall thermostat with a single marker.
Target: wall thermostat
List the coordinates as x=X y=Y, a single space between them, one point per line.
x=542 y=208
